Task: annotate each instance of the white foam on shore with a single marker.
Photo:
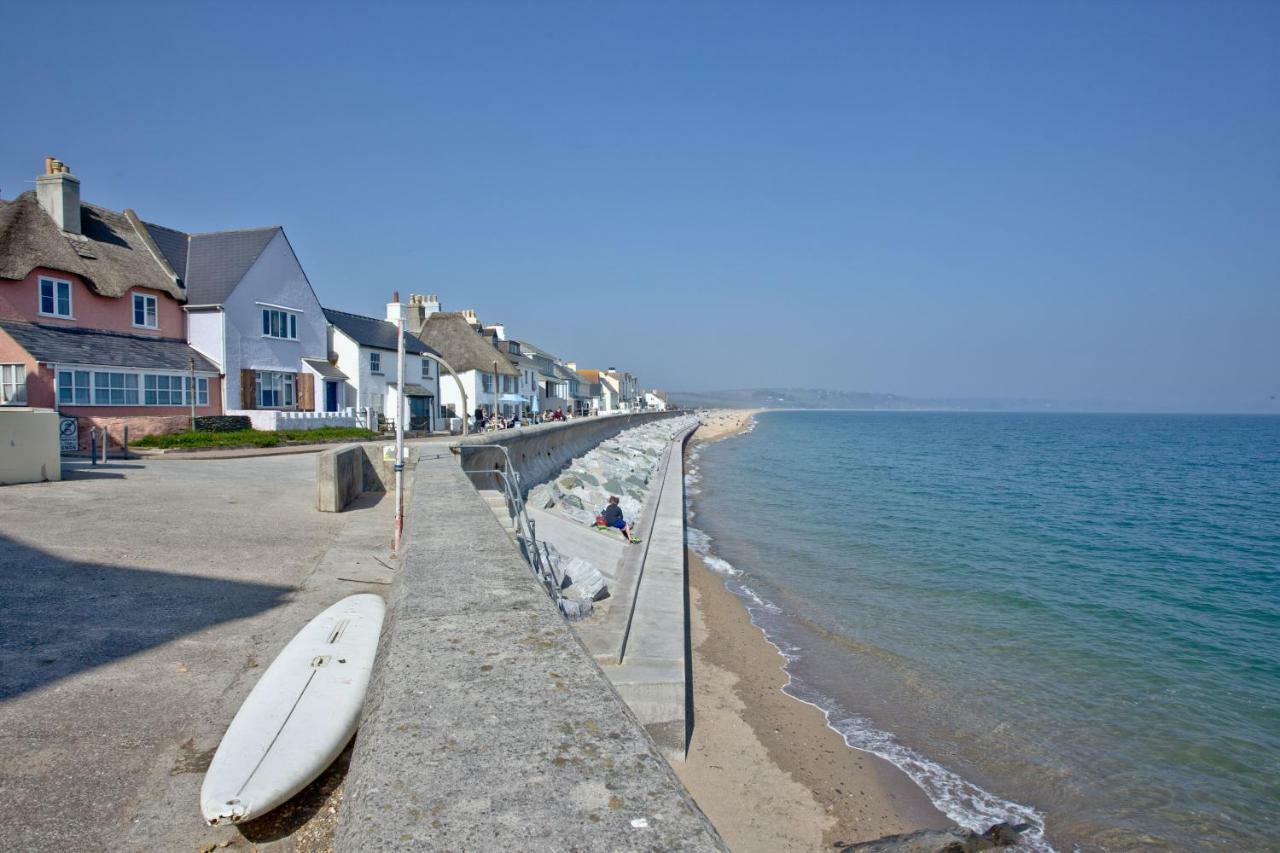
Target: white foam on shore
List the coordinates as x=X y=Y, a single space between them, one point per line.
x=963 y=802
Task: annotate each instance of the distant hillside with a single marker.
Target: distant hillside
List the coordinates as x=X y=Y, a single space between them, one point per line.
x=823 y=398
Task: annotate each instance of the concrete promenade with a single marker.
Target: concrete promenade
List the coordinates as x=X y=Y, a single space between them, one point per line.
x=139 y=603
x=488 y=725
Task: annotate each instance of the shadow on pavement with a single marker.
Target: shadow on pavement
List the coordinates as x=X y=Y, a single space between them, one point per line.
x=59 y=617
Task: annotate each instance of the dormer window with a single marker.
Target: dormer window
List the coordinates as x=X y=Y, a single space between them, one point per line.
x=144 y=311
x=55 y=298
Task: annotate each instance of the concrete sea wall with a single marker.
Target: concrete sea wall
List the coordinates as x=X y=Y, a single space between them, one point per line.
x=488 y=725
x=540 y=452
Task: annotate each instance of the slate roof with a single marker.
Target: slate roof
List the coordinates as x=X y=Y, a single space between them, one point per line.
x=457 y=341
x=374 y=333
x=218 y=260
x=69 y=345
x=324 y=368
x=112 y=255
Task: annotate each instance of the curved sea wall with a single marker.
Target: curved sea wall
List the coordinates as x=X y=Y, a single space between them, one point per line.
x=540 y=452
x=487 y=724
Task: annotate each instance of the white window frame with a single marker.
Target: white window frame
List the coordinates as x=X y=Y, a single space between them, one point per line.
x=13 y=384
x=426 y=368
x=55 y=285
x=177 y=390
x=375 y=363
x=150 y=309
x=129 y=383
x=276 y=382
x=286 y=322
x=84 y=380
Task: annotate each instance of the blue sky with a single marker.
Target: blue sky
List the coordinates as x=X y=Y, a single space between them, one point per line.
x=1076 y=201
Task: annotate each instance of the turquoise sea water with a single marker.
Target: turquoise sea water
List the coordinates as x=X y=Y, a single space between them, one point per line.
x=1067 y=620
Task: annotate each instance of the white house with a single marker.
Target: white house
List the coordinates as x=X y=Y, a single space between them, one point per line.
x=251 y=310
x=364 y=356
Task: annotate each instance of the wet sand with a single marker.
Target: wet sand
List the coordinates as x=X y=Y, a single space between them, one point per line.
x=763 y=766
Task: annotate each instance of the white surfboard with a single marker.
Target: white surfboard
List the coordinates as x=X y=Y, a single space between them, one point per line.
x=299 y=716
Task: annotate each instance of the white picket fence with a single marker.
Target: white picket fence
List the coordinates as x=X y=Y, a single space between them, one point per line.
x=270 y=420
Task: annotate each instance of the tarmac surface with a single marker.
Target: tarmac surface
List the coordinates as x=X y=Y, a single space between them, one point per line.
x=139 y=601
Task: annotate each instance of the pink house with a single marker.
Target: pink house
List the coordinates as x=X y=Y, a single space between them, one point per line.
x=91 y=316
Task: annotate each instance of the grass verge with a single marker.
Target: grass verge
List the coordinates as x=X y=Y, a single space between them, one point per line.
x=252 y=437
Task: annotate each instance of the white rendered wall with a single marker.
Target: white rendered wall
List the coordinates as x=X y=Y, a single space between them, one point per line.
x=276 y=279
x=204 y=333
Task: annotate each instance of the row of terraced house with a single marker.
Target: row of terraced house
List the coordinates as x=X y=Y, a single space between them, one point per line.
x=118 y=322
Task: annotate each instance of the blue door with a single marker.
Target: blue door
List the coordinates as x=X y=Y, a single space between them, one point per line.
x=330 y=395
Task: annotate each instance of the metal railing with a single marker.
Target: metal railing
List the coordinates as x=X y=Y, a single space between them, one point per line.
x=537 y=554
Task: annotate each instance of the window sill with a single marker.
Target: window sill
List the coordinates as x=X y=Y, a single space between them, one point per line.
x=55 y=316
x=274 y=338
x=147 y=328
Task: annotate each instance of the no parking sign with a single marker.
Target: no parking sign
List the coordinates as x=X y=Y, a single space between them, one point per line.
x=69 y=433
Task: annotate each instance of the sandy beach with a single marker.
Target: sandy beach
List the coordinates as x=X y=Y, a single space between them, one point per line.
x=764 y=767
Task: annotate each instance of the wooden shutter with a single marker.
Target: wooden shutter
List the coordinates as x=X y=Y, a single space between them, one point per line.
x=248 y=389
x=306 y=392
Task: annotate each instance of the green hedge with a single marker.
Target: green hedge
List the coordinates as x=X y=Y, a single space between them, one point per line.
x=252 y=437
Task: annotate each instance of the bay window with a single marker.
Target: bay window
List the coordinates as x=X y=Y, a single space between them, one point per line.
x=115 y=389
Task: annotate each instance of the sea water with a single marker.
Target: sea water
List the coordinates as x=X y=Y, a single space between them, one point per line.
x=1068 y=621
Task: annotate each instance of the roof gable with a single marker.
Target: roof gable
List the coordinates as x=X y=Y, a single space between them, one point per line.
x=217 y=261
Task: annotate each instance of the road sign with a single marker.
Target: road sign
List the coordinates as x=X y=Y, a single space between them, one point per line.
x=69 y=434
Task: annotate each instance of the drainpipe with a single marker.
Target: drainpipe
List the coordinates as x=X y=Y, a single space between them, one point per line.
x=495 y=389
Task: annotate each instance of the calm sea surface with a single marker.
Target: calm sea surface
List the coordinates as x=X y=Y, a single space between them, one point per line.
x=1067 y=620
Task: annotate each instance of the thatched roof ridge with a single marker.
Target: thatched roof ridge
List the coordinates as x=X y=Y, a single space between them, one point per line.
x=113 y=255
x=462 y=346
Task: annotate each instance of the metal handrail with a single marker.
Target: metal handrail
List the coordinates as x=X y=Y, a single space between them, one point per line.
x=523 y=526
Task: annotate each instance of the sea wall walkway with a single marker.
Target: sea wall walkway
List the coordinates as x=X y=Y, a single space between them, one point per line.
x=488 y=725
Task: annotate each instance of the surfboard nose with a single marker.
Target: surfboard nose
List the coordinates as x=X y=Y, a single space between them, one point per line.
x=228 y=811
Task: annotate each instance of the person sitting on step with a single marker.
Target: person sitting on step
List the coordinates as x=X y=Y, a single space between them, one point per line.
x=613 y=518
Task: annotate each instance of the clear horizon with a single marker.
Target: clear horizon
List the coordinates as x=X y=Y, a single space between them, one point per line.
x=1065 y=202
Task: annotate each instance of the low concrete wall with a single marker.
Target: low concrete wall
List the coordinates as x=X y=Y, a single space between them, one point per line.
x=653 y=672
x=541 y=452
x=339 y=477
x=29 y=445
x=488 y=726
x=349 y=470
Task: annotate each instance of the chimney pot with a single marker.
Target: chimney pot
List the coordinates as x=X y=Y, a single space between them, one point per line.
x=58 y=192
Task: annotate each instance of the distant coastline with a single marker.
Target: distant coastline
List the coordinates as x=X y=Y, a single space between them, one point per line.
x=825 y=399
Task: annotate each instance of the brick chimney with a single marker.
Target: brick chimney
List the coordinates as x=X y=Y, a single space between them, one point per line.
x=58 y=192
x=469 y=314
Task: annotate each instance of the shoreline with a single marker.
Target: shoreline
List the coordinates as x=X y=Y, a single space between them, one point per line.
x=764 y=766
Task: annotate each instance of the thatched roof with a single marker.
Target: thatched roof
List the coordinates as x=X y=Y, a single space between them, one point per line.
x=114 y=254
x=462 y=346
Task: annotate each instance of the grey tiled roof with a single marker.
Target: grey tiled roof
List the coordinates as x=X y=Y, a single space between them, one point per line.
x=217 y=261
x=66 y=345
x=375 y=333
x=324 y=368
